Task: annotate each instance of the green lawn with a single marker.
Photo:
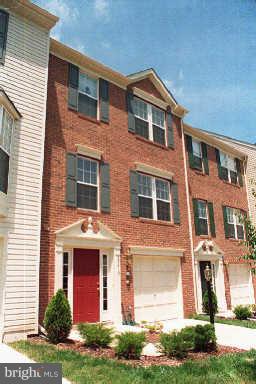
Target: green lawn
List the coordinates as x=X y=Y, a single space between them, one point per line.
x=240 y=323
x=229 y=369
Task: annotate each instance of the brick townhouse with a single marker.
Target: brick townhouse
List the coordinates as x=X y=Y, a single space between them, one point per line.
x=218 y=197
x=132 y=211
x=113 y=234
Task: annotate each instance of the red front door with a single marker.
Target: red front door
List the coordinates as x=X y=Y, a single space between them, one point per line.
x=86 y=286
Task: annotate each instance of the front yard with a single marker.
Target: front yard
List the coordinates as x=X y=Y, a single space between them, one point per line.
x=239 y=368
x=240 y=323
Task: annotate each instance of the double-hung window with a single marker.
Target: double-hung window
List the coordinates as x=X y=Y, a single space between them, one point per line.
x=202 y=217
x=6 y=127
x=197 y=153
x=88 y=95
x=154 y=198
x=235 y=224
x=149 y=121
x=87 y=183
x=228 y=168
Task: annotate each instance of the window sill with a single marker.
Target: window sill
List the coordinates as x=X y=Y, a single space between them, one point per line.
x=235 y=240
x=88 y=211
x=156 y=222
x=84 y=117
x=151 y=142
x=3 y=205
x=206 y=237
x=234 y=185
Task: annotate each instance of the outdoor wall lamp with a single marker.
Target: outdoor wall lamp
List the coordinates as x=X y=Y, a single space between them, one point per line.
x=128 y=277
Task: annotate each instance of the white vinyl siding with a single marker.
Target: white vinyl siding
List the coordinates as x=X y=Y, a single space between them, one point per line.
x=24 y=78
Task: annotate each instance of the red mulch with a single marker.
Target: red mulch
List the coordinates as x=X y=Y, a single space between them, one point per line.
x=144 y=361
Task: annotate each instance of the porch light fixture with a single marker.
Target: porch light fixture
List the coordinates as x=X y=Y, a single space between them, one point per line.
x=208 y=273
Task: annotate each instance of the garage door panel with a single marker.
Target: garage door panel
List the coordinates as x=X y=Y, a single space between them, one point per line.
x=164 y=279
x=240 y=284
x=156 y=288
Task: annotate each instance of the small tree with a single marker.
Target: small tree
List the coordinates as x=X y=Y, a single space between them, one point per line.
x=58 y=319
x=250 y=238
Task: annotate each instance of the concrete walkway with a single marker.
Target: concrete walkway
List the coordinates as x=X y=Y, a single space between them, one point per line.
x=229 y=335
x=10 y=355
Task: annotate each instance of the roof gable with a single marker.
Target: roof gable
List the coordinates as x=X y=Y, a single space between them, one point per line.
x=143 y=78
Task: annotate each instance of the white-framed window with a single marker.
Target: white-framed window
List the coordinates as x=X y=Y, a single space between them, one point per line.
x=88 y=90
x=228 y=168
x=6 y=128
x=87 y=183
x=197 y=153
x=202 y=217
x=150 y=121
x=154 y=198
x=235 y=224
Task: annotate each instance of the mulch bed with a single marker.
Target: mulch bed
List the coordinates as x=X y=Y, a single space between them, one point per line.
x=145 y=361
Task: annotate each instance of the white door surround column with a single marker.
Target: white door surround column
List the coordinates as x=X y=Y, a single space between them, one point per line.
x=208 y=251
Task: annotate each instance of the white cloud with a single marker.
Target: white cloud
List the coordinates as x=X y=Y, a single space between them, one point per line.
x=64 y=10
x=106 y=44
x=181 y=75
x=177 y=91
x=101 y=8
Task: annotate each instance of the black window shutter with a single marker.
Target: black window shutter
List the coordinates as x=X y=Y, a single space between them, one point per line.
x=170 y=137
x=71 y=183
x=134 y=193
x=73 y=82
x=105 y=187
x=104 y=100
x=211 y=219
x=217 y=153
x=4 y=171
x=175 y=203
x=190 y=151
x=196 y=217
x=225 y=220
x=4 y=17
x=239 y=168
x=130 y=110
x=205 y=158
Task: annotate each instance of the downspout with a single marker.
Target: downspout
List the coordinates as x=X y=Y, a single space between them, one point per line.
x=189 y=216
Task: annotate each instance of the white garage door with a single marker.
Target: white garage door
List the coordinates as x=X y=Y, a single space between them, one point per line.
x=240 y=284
x=156 y=288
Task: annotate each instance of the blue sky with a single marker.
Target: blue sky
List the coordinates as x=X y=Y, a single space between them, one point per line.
x=203 y=50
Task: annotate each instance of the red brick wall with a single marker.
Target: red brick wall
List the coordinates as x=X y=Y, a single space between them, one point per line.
x=121 y=149
x=212 y=188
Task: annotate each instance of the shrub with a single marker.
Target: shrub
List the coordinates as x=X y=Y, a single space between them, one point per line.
x=177 y=344
x=95 y=335
x=130 y=345
x=206 y=303
x=58 y=319
x=205 y=338
x=188 y=334
x=242 y=312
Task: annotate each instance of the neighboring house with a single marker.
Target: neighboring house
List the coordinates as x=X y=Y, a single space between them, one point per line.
x=217 y=193
x=115 y=231
x=24 y=53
